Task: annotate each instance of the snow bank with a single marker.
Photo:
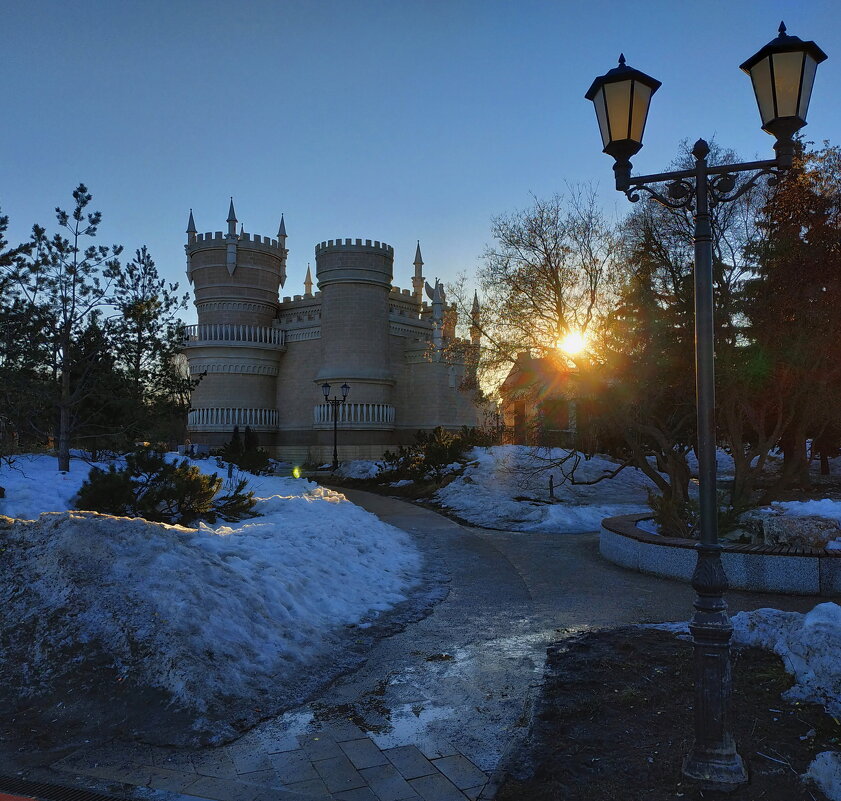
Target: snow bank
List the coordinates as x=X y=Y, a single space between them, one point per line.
x=825 y=771
x=808 y=645
x=360 y=468
x=225 y=621
x=507 y=487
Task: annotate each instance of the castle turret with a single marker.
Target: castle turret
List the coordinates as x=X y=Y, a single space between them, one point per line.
x=418 y=279
x=235 y=345
x=354 y=277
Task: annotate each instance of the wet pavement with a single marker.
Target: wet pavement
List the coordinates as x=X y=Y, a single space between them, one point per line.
x=436 y=710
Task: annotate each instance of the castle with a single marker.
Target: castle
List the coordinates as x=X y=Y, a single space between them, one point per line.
x=264 y=362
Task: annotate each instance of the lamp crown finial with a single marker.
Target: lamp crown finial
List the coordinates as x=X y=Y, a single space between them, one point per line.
x=782 y=28
x=622 y=59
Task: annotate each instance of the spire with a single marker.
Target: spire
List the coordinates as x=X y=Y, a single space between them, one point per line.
x=281 y=231
x=475 y=310
x=418 y=279
x=241 y=230
x=232 y=220
x=308 y=281
x=191 y=224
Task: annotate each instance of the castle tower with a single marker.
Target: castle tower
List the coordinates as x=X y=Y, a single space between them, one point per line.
x=235 y=345
x=354 y=277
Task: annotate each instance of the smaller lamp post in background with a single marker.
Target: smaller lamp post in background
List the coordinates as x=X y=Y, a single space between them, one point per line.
x=782 y=73
x=335 y=402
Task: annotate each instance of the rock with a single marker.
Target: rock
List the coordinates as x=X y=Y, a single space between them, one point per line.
x=809 y=532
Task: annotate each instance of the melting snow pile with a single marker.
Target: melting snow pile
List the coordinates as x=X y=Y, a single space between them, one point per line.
x=507 y=487
x=360 y=468
x=808 y=644
x=224 y=620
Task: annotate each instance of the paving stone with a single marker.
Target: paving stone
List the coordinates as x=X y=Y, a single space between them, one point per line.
x=293 y=766
x=437 y=788
x=266 y=778
x=473 y=793
x=433 y=748
x=342 y=730
x=410 y=761
x=248 y=759
x=173 y=781
x=359 y=794
x=319 y=746
x=339 y=774
x=216 y=762
x=460 y=771
x=363 y=753
x=220 y=789
x=387 y=783
x=173 y=759
x=313 y=787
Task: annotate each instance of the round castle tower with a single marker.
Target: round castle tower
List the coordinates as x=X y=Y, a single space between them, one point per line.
x=354 y=277
x=235 y=345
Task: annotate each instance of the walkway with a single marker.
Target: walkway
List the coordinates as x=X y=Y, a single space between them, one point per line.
x=434 y=709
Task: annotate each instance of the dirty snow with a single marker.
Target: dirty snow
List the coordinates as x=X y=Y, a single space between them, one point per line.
x=825 y=771
x=239 y=612
x=360 y=468
x=507 y=487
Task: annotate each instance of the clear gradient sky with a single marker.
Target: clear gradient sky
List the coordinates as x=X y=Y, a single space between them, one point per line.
x=398 y=121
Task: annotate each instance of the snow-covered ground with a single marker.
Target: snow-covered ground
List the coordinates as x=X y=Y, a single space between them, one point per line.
x=487 y=492
x=219 y=618
x=360 y=468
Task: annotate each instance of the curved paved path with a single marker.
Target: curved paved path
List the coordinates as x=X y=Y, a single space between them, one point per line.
x=433 y=710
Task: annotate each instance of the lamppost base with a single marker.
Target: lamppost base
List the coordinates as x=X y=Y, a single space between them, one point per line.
x=715 y=770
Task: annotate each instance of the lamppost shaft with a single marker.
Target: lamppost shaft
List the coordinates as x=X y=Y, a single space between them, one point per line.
x=335 y=404
x=713 y=758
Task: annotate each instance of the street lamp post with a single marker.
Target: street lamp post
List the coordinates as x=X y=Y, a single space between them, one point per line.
x=335 y=402
x=782 y=74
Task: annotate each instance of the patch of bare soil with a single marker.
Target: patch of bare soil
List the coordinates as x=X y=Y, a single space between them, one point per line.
x=614 y=721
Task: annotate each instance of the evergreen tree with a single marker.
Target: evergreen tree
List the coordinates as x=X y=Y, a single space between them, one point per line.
x=65 y=282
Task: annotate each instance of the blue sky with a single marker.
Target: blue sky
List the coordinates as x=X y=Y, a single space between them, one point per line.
x=396 y=120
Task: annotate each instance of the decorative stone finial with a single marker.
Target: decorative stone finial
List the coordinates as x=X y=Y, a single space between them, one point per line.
x=191 y=224
x=308 y=281
x=782 y=28
x=232 y=216
x=418 y=262
x=621 y=59
x=281 y=231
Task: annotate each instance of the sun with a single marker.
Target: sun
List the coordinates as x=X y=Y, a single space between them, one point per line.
x=574 y=342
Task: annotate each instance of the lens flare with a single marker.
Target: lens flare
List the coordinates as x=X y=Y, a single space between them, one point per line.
x=574 y=342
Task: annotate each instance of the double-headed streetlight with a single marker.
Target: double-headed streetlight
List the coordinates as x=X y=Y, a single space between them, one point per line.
x=335 y=403
x=783 y=73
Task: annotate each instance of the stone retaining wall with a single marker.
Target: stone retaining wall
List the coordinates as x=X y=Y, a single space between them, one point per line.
x=762 y=568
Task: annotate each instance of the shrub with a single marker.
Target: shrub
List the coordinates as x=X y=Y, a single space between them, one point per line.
x=245 y=452
x=432 y=452
x=148 y=486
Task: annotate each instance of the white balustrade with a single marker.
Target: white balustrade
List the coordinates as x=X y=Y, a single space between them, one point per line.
x=349 y=414
x=217 y=417
x=230 y=333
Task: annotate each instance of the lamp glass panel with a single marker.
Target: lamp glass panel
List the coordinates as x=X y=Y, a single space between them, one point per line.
x=601 y=116
x=618 y=100
x=642 y=99
x=760 y=75
x=788 y=67
x=809 y=67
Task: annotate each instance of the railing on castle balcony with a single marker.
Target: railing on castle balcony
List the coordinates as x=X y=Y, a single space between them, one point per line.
x=225 y=418
x=259 y=336
x=355 y=415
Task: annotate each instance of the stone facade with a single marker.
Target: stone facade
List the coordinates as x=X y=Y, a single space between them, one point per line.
x=263 y=360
